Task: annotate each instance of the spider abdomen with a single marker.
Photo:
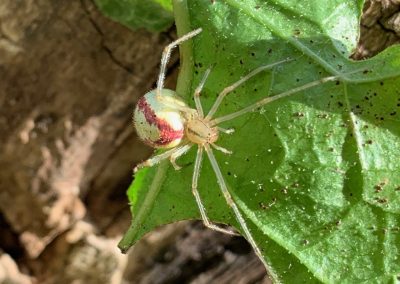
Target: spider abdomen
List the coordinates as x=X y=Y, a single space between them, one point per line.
x=159 y=125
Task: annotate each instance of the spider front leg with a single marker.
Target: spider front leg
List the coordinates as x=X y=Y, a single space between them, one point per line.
x=232 y=87
x=228 y=131
x=197 y=93
x=195 y=178
x=282 y=95
x=221 y=149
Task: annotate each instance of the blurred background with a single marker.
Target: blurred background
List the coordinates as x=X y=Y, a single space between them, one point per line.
x=69 y=79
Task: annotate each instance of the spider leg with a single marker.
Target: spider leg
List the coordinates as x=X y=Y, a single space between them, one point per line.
x=226 y=131
x=232 y=87
x=158 y=158
x=197 y=92
x=221 y=149
x=196 y=175
x=167 y=53
x=233 y=206
x=182 y=150
x=168 y=102
x=267 y=100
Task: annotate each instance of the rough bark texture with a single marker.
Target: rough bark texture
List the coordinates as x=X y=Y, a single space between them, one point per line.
x=69 y=80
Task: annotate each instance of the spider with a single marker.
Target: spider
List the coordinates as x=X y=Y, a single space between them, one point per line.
x=164 y=121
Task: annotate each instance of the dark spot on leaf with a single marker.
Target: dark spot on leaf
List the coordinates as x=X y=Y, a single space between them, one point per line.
x=337 y=83
x=338 y=222
x=305 y=242
x=253 y=54
x=229 y=173
x=340 y=104
x=257 y=7
x=369 y=141
x=262 y=205
x=298 y=114
x=295 y=185
x=296 y=32
x=241 y=61
x=378 y=188
x=351 y=194
x=381 y=200
x=311 y=41
x=397 y=188
x=331 y=149
x=270 y=50
x=381 y=83
x=393 y=113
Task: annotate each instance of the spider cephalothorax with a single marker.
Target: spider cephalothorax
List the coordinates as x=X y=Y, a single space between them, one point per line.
x=199 y=130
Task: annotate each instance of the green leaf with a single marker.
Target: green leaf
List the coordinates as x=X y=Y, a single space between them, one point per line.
x=154 y=15
x=315 y=174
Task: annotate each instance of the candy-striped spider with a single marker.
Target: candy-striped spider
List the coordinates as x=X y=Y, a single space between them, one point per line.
x=163 y=120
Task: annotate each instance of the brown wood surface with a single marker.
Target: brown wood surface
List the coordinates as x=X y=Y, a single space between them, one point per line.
x=69 y=78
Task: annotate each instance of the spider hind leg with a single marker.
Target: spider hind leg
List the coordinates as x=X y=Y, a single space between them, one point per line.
x=231 y=203
x=179 y=152
x=200 y=205
x=171 y=154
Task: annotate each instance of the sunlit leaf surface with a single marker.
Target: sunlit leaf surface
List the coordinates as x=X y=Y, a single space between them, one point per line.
x=316 y=174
